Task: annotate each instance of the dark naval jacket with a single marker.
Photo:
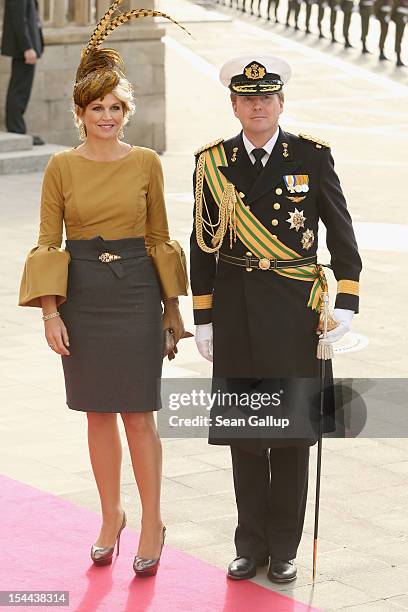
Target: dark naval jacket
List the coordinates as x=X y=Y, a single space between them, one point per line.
x=262 y=326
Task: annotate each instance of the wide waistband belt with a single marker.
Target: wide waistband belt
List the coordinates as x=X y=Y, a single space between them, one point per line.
x=110 y=252
x=267 y=264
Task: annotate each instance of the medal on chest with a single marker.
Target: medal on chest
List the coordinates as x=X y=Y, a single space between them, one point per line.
x=296 y=219
x=297 y=183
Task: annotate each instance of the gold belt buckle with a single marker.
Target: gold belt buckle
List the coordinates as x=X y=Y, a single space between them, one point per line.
x=108 y=257
x=264 y=264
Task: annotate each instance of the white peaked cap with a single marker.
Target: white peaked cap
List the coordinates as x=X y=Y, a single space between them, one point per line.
x=256 y=70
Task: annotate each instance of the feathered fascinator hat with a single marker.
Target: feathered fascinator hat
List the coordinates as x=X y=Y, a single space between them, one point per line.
x=101 y=70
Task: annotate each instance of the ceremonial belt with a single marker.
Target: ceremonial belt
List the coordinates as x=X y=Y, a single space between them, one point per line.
x=253 y=234
x=266 y=264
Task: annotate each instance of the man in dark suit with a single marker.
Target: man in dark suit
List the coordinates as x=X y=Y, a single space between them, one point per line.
x=257 y=297
x=23 y=42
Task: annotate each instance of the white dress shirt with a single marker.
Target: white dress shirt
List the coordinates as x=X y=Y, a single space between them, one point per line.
x=267 y=147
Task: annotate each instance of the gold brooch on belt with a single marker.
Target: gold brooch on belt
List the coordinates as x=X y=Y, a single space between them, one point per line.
x=108 y=257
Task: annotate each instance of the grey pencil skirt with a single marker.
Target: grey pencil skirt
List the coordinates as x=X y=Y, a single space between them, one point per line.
x=113 y=316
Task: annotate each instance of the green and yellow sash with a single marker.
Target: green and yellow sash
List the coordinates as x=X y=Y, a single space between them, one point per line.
x=256 y=237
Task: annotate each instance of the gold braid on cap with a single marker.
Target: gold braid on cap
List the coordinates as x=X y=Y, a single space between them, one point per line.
x=100 y=70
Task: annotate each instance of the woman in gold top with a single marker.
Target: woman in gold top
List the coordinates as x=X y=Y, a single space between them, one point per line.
x=101 y=296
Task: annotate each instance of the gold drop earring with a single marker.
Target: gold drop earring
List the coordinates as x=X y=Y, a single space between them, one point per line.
x=82 y=131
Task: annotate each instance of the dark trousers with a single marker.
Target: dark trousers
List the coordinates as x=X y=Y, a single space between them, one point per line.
x=271 y=494
x=18 y=95
x=365 y=12
x=399 y=33
x=384 y=22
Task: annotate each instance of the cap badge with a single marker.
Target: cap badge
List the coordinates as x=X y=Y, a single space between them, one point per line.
x=255 y=71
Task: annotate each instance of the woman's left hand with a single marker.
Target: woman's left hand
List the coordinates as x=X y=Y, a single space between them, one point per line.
x=172 y=318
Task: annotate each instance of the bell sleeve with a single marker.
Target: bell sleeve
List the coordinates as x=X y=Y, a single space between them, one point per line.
x=167 y=255
x=46 y=266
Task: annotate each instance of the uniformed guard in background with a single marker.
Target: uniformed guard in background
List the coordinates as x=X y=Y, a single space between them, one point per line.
x=400 y=16
x=382 y=11
x=366 y=8
x=259 y=8
x=257 y=294
x=275 y=9
x=347 y=6
x=335 y=6
x=322 y=4
x=309 y=6
x=293 y=7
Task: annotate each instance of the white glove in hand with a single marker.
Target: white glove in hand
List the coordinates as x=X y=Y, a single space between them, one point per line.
x=204 y=340
x=344 y=318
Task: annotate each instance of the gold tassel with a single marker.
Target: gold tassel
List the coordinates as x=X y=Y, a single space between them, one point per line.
x=324 y=349
x=232 y=199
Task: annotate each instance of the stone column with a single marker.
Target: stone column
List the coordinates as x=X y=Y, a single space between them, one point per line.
x=82 y=12
x=59 y=14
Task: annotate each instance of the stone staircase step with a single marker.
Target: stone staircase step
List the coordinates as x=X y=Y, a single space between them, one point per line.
x=35 y=160
x=15 y=142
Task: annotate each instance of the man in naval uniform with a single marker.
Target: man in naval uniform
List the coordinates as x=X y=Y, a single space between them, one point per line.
x=257 y=292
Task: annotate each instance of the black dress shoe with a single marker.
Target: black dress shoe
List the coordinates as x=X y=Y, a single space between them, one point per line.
x=37 y=140
x=281 y=570
x=243 y=568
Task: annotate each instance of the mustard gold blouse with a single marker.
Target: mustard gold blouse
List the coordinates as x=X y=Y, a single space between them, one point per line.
x=114 y=199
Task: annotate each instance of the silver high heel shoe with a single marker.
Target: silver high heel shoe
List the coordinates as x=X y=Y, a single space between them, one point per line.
x=102 y=555
x=148 y=567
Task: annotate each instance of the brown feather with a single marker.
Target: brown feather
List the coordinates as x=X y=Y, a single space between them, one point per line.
x=101 y=26
x=134 y=14
x=100 y=59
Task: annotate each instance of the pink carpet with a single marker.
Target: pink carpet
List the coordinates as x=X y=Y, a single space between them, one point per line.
x=44 y=546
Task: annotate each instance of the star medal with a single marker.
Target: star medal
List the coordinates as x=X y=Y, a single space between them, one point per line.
x=296 y=219
x=307 y=239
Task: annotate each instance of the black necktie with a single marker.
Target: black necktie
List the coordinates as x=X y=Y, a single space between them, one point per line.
x=258 y=154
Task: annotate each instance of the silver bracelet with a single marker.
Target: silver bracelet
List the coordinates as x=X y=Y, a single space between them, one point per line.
x=50 y=316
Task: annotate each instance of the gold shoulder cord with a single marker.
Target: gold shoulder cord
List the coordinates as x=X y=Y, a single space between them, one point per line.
x=226 y=211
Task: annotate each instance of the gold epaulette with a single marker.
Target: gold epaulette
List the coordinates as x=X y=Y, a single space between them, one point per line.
x=208 y=146
x=319 y=143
